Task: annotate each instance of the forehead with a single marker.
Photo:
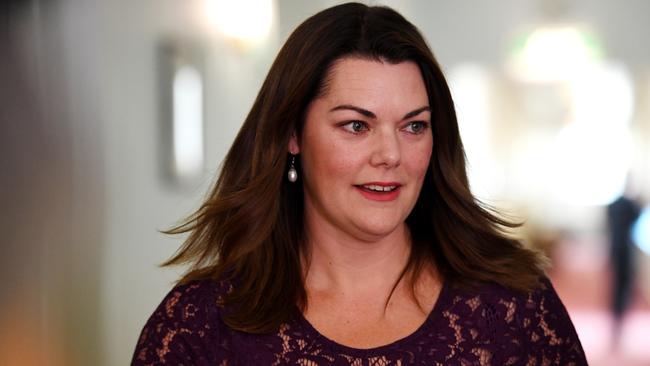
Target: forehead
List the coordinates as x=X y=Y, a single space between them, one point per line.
x=351 y=77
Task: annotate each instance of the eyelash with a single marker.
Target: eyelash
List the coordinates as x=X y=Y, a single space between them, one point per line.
x=347 y=126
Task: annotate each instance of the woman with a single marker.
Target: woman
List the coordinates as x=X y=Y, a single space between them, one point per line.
x=342 y=230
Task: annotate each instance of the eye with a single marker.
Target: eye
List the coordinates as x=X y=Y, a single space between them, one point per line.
x=416 y=127
x=355 y=126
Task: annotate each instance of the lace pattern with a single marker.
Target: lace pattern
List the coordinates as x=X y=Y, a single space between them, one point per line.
x=490 y=326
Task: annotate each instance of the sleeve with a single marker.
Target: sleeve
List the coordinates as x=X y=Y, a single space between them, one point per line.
x=549 y=334
x=185 y=329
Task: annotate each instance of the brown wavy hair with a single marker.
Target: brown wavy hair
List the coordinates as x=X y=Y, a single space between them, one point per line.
x=250 y=228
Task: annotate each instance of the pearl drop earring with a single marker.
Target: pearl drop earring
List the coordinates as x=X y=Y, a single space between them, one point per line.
x=292 y=175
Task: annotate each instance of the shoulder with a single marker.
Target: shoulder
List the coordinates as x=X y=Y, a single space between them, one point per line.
x=186 y=327
x=547 y=328
x=507 y=304
x=510 y=325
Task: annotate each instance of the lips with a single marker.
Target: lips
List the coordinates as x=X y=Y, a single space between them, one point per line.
x=379 y=191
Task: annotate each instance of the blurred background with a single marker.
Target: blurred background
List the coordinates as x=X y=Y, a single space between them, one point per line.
x=115 y=115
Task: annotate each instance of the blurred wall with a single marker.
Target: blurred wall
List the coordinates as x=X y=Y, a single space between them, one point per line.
x=53 y=197
x=118 y=47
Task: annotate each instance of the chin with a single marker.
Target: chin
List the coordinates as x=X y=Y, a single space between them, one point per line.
x=378 y=230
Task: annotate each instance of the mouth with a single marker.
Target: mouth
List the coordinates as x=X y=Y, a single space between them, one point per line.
x=378 y=188
x=379 y=191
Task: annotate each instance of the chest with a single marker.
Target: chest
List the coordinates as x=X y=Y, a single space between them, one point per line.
x=367 y=323
x=438 y=340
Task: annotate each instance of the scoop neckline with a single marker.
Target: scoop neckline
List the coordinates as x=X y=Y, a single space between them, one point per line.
x=361 y=352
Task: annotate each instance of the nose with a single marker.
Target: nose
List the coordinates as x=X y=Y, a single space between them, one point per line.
x=386 y=150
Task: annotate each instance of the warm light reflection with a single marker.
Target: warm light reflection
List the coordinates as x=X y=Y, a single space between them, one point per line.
x=553 y=53
x=594 y=150
x=242 y=20
x=470 y=87
x=591 y=163
x=188 y=122
x=603 y=93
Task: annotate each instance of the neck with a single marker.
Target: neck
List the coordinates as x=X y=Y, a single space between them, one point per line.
x=336 y=262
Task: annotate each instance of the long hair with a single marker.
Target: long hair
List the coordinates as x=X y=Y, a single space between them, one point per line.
x=250 y=228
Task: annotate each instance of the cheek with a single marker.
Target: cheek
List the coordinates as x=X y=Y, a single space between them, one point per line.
x=419 y=160
x=339 y=160
x=326 y=160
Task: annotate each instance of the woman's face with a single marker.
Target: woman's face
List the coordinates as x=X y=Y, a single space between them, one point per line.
x=365 y=148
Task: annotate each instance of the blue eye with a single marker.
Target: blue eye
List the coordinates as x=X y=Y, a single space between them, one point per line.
x=416 y=127
x=355 y=126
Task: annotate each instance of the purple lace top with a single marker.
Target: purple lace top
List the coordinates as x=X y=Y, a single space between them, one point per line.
x=489 y=326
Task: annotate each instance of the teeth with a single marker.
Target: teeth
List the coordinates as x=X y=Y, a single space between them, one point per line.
x=374 y=187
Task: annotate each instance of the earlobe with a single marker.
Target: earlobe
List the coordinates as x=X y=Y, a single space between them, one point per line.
x=294 y=148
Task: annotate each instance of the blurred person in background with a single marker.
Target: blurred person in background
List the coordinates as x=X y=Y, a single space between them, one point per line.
x=621 y=216
x=342 y=230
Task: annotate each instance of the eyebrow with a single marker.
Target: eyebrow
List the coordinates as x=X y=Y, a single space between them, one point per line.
x=369 y=114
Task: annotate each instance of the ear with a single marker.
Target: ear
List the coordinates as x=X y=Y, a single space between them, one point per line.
x=294 y=148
